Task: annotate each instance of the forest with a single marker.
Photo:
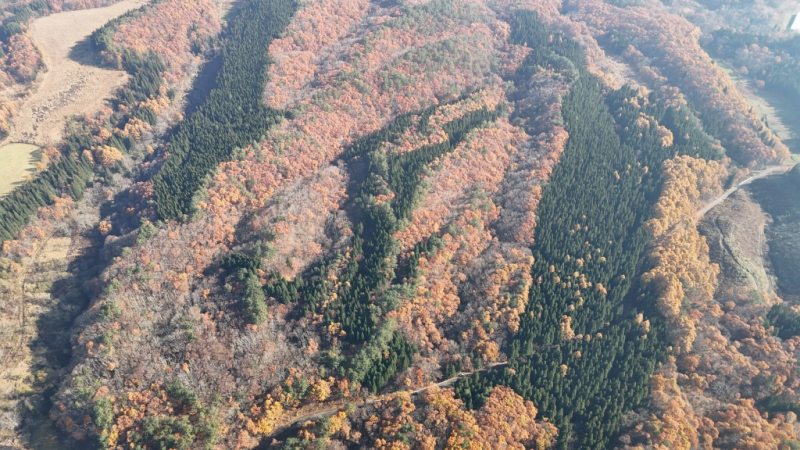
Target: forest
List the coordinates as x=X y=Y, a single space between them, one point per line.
x=385 y=191
x=665 y=49
x=581 y=354
x=102 y=39
x=232 y=115
x=771 y=61
x=75 y=168
x=407 y=224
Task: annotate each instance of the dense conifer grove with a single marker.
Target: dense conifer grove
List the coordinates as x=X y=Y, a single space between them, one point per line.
x=232 y=116
x=581 y=355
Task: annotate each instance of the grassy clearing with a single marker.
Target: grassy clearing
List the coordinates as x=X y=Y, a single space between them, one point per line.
x=68 y=87
x=17 y=162
x=56 y=249
x=778 y=196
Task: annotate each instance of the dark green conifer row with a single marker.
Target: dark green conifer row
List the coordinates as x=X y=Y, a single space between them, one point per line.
x=233 y=115
x=371 y=267
x=590 y=222
x=70 y=175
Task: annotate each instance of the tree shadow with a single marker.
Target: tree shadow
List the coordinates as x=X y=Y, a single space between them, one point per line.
x=87 y=54
x=784 y=103
x=52 y=347
x=204 y=82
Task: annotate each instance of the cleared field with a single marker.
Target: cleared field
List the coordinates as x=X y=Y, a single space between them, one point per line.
x=17 y=161
x=67 y=87
x=779 y=113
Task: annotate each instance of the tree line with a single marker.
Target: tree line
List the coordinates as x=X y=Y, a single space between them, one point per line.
x=75 y=170
x=102 y=39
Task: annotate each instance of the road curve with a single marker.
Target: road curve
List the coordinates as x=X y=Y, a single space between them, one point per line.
x=771 y=170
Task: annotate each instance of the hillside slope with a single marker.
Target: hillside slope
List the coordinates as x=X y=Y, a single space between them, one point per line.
x=409 y=224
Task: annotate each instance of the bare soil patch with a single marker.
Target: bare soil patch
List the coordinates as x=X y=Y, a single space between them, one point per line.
x=736 y=233
x=67 y=87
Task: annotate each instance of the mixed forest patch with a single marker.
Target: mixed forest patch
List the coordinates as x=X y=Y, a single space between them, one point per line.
x=73 y=167
x=232 y=116
x=583 y=353
x=413 y=224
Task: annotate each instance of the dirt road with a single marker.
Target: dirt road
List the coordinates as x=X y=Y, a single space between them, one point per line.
x=772 y=170
x=321 y=411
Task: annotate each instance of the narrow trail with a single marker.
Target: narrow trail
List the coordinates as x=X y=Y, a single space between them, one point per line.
x=315 y=412
x=22 y=306
x=771 y=170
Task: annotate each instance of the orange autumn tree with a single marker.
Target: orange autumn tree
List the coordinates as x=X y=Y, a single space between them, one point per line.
x=439 y=420
x=681 y=266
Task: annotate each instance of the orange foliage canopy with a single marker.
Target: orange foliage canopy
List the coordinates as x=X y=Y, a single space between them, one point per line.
x=680 y=255
x=22 y=60
x=171 y=29
x=440 y=420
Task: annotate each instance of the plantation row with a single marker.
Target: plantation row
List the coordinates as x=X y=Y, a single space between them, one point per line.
x=233 y=115
x=371 y=269
x=375 y=251
x=580 y=354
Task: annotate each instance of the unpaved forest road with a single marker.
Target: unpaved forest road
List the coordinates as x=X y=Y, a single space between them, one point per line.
x=771 y=170
x=320 y=411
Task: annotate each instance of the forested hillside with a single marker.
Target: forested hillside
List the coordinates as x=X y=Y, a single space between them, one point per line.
x=409 y=224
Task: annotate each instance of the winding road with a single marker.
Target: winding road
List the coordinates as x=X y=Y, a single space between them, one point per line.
x=771 y=170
